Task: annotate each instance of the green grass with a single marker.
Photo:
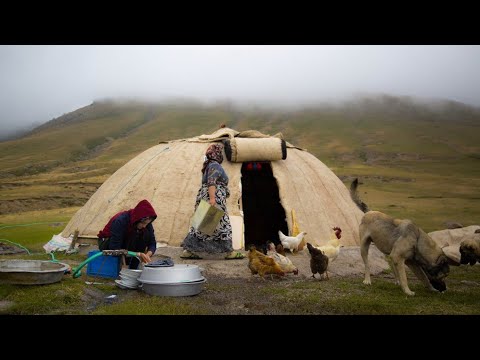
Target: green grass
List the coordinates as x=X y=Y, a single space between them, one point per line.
x=143 y=304
x=59 y=145
x=351 y=296
x=428 y=201
x=346 y=296
x=64 y=297
x=34 y=229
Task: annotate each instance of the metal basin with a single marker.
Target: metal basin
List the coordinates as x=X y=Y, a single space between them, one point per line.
x=31 y=272
x=173 y=274
x=175 y=289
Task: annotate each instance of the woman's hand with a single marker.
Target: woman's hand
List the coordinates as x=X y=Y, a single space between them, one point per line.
x=144 y=257
x=211 y=195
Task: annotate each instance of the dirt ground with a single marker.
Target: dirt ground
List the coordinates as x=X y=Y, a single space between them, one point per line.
x=232 y=290
x=348 y=263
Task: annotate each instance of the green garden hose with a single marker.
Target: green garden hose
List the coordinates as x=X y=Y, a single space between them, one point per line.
x=53 y=257
x=23 y=247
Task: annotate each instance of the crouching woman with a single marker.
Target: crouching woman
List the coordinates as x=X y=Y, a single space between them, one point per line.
x=131 y=230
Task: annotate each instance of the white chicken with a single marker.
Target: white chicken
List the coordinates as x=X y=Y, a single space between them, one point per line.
x=332 y=248
x=291 y=242
x=285 y=263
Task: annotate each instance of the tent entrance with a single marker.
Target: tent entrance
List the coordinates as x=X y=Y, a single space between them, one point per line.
x=263 y=214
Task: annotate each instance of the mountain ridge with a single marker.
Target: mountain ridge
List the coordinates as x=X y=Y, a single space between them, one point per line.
x=393 y=142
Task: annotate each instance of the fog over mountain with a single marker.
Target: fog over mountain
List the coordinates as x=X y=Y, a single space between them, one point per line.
x=39 y=83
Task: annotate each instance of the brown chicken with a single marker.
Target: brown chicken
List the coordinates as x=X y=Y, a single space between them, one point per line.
x=280 y=249
x=318 y=261
x=285 y=263
x=261 y=264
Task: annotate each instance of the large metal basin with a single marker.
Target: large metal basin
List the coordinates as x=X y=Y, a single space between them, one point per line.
x=175 y=289
x=31 y=272
x=173 y=274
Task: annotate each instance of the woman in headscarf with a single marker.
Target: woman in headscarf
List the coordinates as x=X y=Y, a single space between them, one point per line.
x=131 y=230
x=214 y=190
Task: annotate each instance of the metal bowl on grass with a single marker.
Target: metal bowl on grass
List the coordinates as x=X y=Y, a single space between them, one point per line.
x=178 y=273
x=31 y=272
x=174 y=289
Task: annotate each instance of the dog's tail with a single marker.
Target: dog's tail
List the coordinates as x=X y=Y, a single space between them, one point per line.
x=356 y=199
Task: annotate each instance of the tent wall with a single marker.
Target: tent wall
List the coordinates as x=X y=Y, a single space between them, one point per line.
x=169 y=175
x=319 y=198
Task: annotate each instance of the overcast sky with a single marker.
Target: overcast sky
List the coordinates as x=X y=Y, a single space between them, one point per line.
x=38 y=83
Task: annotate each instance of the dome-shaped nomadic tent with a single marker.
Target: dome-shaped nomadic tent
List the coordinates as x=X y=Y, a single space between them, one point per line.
x=263 y=193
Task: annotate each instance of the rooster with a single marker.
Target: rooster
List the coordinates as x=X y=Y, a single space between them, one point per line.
x=332 y=249
x=261 y=264
x=291 y=242
x=318 y=261
x=284 y=262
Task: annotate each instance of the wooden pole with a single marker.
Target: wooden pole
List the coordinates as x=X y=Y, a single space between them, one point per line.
x=74 y=240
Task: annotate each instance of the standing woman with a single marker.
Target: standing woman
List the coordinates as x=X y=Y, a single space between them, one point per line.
x=215 y=191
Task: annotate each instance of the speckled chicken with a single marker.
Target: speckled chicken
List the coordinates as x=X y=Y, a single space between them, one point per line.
x=284 y=262
x=318 y=261
x=261 y=264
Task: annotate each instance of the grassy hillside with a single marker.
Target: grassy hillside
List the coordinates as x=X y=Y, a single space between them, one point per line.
x=415 y=160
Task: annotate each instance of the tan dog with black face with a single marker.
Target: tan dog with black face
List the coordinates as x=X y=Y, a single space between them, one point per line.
x=406 y=244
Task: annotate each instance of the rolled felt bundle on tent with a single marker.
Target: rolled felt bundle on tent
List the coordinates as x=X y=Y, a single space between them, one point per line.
x=255 y=149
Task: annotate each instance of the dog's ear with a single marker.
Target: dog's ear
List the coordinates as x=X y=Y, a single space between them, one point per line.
x=442 y=264
x=442 y=259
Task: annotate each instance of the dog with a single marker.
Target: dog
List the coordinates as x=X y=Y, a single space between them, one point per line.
x=406 y=244
x=470 y=250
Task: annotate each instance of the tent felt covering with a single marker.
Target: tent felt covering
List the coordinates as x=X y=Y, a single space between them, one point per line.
x=248 y=149
x=169 y=175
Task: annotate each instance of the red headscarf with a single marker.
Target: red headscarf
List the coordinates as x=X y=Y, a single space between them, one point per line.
x=141 y=210
x=213 y=153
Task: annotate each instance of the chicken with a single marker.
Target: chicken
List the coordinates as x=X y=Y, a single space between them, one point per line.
x=285 y=263
x=318 y=261
x=291 y=242
x=332 y=249
x=263 y=248
x=261 y=264
x=280 y=249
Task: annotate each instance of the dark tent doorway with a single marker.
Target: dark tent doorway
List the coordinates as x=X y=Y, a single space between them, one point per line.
x=263 y=214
